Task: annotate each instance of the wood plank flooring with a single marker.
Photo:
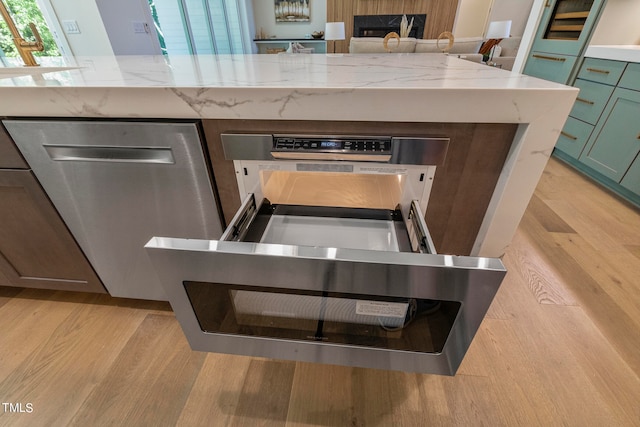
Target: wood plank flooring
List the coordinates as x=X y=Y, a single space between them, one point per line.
x=560 y=346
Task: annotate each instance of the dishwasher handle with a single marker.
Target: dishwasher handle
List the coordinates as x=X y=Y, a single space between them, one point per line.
x=110 y=154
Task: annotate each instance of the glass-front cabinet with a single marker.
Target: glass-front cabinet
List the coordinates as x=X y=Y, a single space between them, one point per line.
x=564 y=32
x=566 y=26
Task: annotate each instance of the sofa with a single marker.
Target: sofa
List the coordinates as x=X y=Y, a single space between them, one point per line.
x=463 y=47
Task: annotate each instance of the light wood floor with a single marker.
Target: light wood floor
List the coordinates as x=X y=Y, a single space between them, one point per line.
x=560 y=346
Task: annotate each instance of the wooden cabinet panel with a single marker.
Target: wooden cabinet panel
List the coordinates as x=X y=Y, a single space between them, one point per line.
x=36 y=249
x=10 y=157
x=615 y=144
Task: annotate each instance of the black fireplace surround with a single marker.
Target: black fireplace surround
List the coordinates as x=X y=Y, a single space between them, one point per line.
x=381 y=25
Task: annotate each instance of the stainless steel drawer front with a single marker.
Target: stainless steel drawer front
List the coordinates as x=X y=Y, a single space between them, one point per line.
x=471 y=282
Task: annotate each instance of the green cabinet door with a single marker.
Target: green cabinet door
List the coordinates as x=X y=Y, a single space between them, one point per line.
x=631 y=180
x=566 y=26
x=614 y=143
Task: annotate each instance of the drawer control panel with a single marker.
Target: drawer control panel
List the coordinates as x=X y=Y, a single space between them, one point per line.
x=369 y=145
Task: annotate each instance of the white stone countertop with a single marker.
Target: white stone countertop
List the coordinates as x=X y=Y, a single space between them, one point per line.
x=627 y=53
x=395 y=87
x=388 y=87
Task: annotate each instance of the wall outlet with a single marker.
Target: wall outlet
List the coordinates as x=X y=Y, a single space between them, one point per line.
x=140 y=27
x=71 y=27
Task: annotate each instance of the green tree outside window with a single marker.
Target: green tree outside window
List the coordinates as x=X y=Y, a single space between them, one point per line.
x=23 y=12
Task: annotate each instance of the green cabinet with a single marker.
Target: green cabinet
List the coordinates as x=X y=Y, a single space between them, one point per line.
x=590 y=101
x=602 y=134
x=552 y=67
x=574 y=137
x=563 y=33
x=615 y=142
x=566 y=26
x=631 y=180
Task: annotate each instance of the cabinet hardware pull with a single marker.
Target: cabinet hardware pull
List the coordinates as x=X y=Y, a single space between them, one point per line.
x=585 y=101
x=638 y=137
x=568 y=135
x=549 y=58
x=548 y=4
x=595 y=70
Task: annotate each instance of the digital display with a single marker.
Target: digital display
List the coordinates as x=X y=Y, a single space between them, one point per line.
x=331 y=144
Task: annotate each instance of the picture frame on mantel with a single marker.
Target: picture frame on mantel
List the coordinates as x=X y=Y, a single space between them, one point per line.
x=292 y=10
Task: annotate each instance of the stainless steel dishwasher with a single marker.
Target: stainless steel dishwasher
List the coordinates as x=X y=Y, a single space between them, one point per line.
x=118 y=183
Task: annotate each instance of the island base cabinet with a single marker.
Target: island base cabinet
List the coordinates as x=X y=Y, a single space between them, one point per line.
x=36 y=248
x=616 y=144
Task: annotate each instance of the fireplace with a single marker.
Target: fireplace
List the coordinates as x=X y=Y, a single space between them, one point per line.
x=381 y=25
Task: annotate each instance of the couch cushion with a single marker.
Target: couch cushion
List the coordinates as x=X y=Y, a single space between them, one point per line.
x=460 y=45
x=375 y=45
x=429 y=46
x=466 y=45
x=510 y=46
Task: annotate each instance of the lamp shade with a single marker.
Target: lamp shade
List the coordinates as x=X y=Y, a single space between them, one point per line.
x=499 y=30
x=334 y=31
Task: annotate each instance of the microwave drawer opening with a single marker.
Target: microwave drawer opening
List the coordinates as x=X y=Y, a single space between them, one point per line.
x=331 y=227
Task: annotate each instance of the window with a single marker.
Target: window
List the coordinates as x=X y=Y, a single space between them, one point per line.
x=203 y=26
x=23 y=12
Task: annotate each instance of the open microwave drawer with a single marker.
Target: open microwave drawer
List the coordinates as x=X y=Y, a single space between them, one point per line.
x=346 y=286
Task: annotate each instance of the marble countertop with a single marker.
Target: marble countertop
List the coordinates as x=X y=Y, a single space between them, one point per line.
x=628 y=53
x=393 y=87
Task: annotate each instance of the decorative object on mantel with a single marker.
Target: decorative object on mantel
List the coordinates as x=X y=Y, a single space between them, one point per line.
x=317 y=35
x=292 y=10
x=442 y=36
x=334 y=31
x=385 y=41
x=497 y=31
x=261 y=35
x=405 y=27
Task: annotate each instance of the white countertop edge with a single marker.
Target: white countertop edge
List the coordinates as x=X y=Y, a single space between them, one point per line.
x=426 y=105
x=627 y=53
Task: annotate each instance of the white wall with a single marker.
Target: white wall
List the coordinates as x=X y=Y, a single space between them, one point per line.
x=471 y=18
x=119 y=16
x=517 y=11
x=619 y=23
x=265 y=18
x=93 y=38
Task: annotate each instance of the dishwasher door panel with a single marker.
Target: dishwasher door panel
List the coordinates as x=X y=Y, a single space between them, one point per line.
x=117 y=184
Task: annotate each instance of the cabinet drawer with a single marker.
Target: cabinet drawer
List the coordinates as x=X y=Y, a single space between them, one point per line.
x=10 y=157
x=550 y=66
x=631 y=77
x=574 y=137
x=602 y=70
x=590 y=101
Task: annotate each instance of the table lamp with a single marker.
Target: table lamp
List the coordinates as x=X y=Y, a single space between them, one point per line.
x=498 y=30
x=334 y=31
